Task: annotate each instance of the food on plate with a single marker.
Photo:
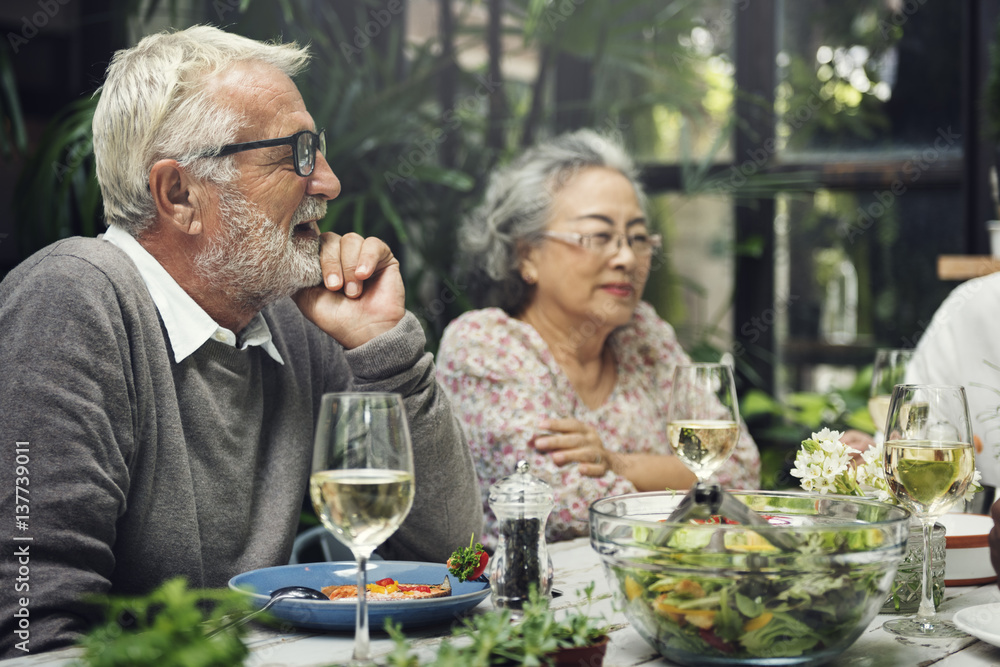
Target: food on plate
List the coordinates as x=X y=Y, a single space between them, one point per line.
x=469 y=562
x=390 y=589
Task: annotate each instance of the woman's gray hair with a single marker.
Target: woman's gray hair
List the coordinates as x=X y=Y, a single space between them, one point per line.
x=516 y=210
x=156 y=103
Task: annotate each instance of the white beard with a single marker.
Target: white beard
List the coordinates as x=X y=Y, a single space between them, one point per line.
x=253 y=261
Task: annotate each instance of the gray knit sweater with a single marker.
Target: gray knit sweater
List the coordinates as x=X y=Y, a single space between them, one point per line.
x=139 y=468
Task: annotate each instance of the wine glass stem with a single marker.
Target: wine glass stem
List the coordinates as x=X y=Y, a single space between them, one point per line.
x=926 y=611
x=361 y=642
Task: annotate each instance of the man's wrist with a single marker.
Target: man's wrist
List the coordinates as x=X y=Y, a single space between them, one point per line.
x=389 y=353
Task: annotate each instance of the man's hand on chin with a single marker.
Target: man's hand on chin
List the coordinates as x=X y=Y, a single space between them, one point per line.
x=362 y=295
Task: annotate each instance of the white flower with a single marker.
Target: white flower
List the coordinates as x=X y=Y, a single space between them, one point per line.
x=974 y=486
x=803 y=462
x=873 y=455
x=884 y=496
x=834 y=466
x=824 y=465
x=827 y=434
x=825 y=485
x=870 y=473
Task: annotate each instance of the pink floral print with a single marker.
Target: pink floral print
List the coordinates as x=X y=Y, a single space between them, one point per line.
x=503 y=380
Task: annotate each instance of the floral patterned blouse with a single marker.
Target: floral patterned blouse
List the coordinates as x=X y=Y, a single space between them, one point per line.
x=502 y=380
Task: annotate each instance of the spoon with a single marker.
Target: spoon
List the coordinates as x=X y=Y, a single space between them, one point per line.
x=286 y=593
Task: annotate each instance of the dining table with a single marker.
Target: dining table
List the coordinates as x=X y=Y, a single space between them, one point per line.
x=575 y=566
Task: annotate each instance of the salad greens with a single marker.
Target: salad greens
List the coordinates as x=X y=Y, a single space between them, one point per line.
x=741 y=598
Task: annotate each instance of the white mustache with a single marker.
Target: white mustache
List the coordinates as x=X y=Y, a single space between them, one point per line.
x=311 y=208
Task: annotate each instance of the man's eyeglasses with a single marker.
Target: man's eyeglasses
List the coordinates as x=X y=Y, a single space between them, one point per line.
x=605 y=243
x=305 y=145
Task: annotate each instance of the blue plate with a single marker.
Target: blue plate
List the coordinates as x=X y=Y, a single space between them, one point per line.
x=339 y=614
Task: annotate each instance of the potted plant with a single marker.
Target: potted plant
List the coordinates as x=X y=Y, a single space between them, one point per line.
x=536 y=636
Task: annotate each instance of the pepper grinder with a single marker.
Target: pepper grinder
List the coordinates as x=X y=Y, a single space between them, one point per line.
x=521 y=503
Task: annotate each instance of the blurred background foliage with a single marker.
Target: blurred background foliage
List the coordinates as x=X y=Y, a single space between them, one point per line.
x=415 y=126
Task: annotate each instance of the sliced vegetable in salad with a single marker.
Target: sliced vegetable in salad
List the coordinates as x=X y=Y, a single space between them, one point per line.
x=760 y=603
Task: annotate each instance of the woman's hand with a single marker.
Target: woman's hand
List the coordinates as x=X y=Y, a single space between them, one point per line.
x=572 y=441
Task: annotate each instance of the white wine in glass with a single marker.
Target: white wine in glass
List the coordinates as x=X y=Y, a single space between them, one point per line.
x=929 y=464
x=888 y=371
x=362 y=481
x=704 y=417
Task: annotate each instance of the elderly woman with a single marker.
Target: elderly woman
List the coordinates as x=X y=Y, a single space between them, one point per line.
x=569 y=369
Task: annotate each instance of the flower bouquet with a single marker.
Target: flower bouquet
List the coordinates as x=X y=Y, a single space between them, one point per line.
x=827 y=465
x=824 y=464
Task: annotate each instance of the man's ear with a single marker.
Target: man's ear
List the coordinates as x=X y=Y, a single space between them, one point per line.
x=176 y=195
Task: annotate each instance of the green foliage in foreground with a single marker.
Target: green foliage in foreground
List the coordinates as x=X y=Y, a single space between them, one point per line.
x=168 y=628
x=497 y=638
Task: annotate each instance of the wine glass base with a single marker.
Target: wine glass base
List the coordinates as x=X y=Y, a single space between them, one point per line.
x=366 y=662
x=924 y=628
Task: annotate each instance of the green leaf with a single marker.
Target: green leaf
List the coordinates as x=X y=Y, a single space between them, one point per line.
x=392 y=215
x=756 y=402
x=452 y=178
x=13 y=134
x=749 y=607
x=783 y=636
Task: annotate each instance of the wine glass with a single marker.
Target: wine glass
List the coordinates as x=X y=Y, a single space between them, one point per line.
x=888 y=371
x=704 y=417
x=362 y=481
x=929 y=464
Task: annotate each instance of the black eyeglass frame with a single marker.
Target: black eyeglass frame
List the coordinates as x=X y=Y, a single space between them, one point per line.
x=318 y=146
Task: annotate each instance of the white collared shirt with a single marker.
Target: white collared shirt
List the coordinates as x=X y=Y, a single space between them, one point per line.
x=188 y=325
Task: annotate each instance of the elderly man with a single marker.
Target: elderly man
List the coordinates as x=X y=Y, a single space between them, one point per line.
x=159 y=387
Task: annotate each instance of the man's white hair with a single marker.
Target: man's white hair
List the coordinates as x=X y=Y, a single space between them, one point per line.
x=155 y=103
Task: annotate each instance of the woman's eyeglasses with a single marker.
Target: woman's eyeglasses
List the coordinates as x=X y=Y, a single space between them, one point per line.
x=607 y=244
x=305 y=145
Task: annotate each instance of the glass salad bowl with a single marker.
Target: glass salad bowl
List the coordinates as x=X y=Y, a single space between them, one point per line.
x=797 y=591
